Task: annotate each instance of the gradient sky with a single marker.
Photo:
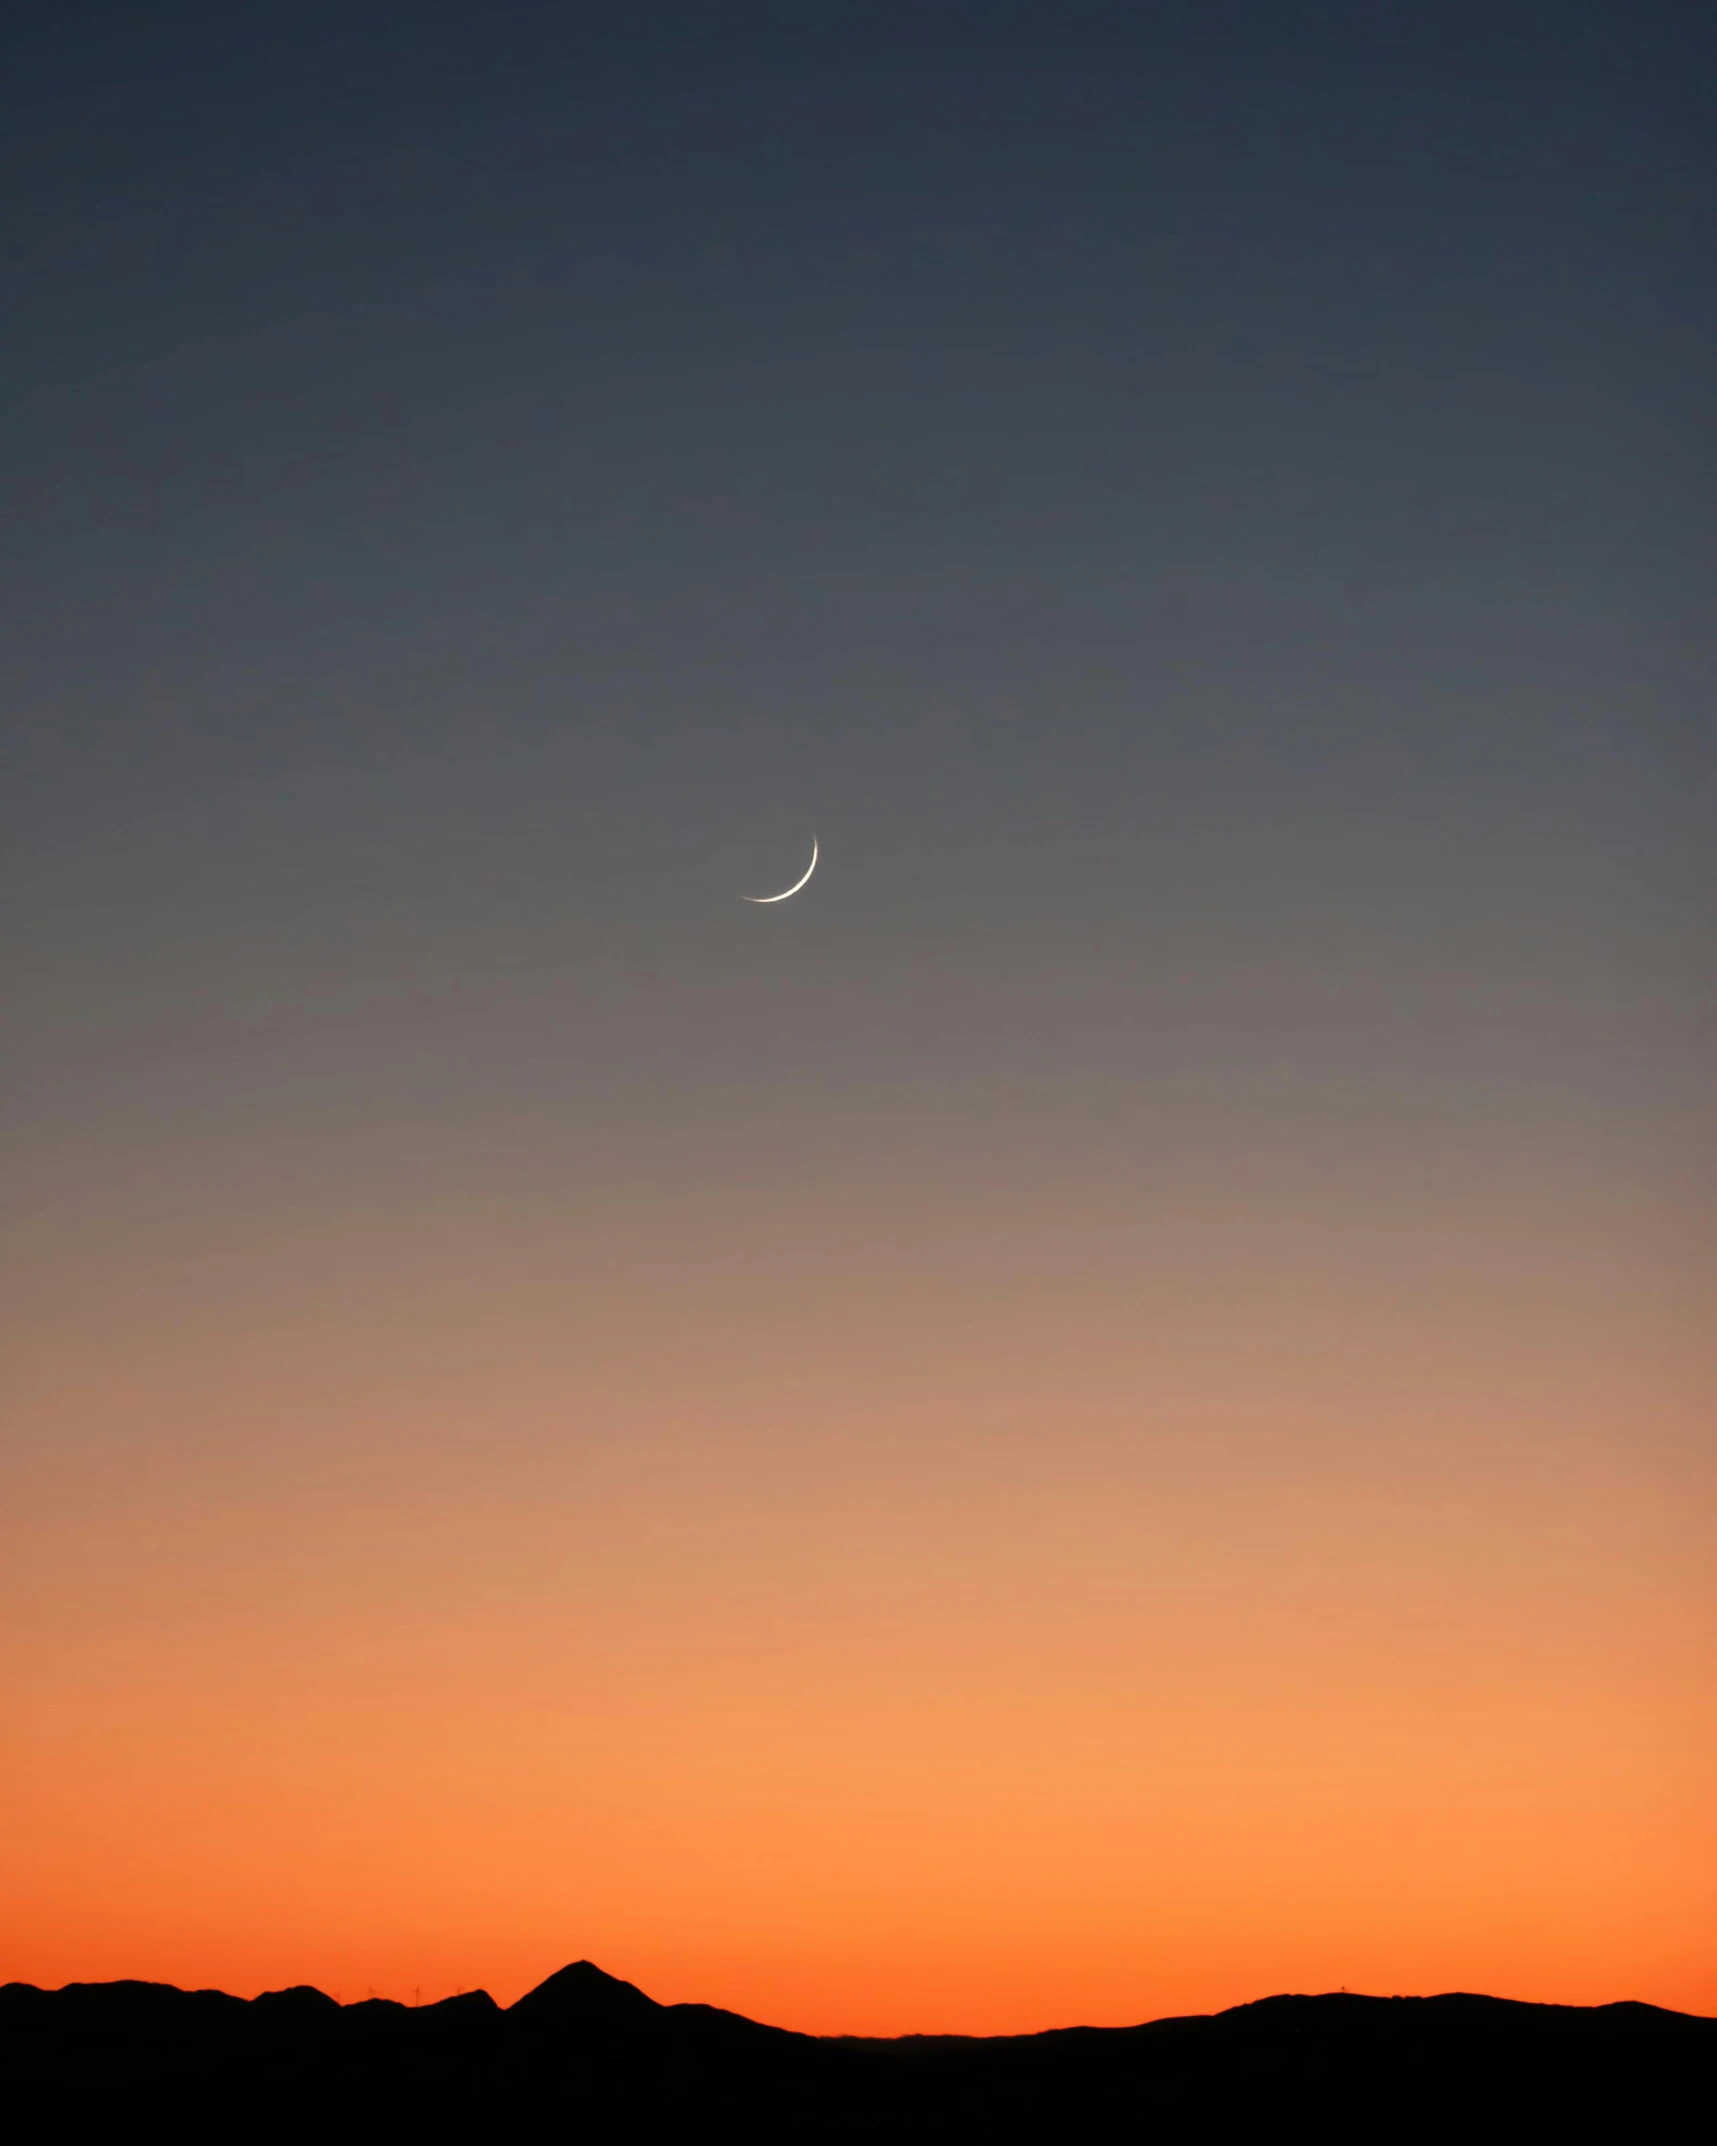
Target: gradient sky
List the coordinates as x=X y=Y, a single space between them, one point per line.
x=1106 y=1413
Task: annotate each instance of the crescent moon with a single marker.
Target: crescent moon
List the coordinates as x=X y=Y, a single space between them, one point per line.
x=794 y=888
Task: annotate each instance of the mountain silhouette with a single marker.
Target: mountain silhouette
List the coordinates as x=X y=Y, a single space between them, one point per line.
x=583 y=1995
x=587 y=2055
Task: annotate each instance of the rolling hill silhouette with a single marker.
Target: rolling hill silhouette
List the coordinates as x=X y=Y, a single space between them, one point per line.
x=585 y=2054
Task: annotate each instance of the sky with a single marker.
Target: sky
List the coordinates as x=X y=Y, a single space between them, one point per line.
x=1105 y=1413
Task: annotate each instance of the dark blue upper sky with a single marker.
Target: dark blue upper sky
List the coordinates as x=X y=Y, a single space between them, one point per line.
x=484 y=482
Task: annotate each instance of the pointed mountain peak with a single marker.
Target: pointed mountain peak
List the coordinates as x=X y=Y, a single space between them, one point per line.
x=583 y=1991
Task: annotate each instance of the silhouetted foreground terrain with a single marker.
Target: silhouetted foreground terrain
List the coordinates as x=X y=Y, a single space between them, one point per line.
x=587 y=2056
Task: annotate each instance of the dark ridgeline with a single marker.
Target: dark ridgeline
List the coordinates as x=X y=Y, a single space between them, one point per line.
x=586 y=2055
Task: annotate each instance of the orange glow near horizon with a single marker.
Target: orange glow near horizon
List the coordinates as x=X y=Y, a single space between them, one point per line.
x=991 y=1656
